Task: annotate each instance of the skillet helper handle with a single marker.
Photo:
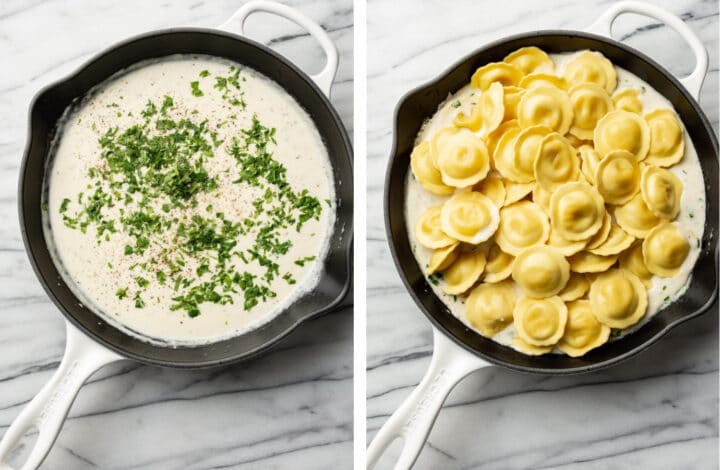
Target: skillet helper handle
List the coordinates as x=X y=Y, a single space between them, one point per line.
x=692 y=82
x=47 y=411
x=414 y=419
x=325 y=77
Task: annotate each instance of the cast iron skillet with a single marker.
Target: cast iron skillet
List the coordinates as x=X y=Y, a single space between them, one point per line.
x=460 y=350
x=92 y=342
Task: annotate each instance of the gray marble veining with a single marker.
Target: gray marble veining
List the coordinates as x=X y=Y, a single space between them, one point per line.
x=289 y=409
x=658 y=410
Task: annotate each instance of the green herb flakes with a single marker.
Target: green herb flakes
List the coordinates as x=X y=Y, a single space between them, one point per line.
x=148 y=189
x=301 y=262
x=196 y=91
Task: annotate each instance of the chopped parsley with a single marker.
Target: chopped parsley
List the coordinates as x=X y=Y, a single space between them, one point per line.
x=301 y=262
x=230 y=88
x=139 y=302
x=456 y=104
x=146 y=189
x=196 y=91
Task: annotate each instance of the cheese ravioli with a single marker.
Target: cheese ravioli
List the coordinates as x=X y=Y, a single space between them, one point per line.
x=618 y=298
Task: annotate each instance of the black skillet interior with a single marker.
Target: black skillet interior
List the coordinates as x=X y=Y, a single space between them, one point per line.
x=422 y=103
x=335 y=284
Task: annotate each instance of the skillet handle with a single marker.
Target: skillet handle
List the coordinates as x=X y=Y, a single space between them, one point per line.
x=325 y=77
x=46 y=412
x=414 y=419
x=692 y=82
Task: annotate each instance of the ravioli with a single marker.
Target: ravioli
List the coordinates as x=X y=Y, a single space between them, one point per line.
x=590 y=159
x=525 y=151
x=501 y=72
x=556 y=162
x=426 y=173
x=576 y=211
x=618 y=177
x=540 y=322
x=504 y=154
x=545 y=106
x=529 y=349
x=487 y=114
x=464 y=272
x=661 y=191
x=493 y=139
x=635 y=217
x=565 y=247
x=543 y=79
x=559 y=201
x=522 y=225
x=438 y=141
x=628 y=99
x=586 y=262
x=664 y=250
x=618 y=240
x=590 y=103
x=541 y=271
x=577 y=143
x=469 y=217
x=498 y=266
x=632 y=260
x=428 y=230
x=541 y=197
x=442 y=258
x=591 y=67
x=667 y=144
x=493 y=188
x=511 y=98
x=514 y=192
x=602 y=235
x=462 y=159
x=583 y=331
x=529 y=60
x=489 y=307
x=618 y=298
x=576 y=287
x=622 y=130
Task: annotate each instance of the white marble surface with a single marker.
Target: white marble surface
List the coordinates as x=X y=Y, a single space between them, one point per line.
x=289 y=409
x=657 y=411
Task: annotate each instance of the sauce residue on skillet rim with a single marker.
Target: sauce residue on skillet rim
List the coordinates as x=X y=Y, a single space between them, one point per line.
x=189 y=199
x=503 y=228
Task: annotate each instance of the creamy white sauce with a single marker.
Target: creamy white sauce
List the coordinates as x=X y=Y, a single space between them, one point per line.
x=96 y=270
x=690 y=221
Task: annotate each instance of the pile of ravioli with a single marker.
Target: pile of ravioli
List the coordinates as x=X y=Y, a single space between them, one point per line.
x=559 y=201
